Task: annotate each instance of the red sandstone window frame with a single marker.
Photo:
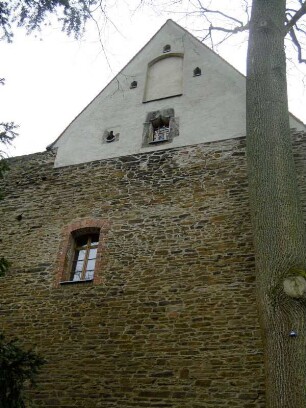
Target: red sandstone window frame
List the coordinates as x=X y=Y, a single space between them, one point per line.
x=67 y=249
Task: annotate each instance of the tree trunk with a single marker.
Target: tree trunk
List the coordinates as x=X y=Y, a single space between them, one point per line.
x=279 y=233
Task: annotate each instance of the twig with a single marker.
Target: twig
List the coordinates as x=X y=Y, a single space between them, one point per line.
x=206 y=10
x=295 y=18
x=298 y=46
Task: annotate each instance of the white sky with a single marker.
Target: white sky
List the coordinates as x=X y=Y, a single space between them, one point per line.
x=50 y=78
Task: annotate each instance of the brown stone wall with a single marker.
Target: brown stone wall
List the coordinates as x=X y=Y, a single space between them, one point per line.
x=172 y=322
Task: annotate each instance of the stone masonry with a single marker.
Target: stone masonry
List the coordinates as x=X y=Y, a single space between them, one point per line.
x=172 y=319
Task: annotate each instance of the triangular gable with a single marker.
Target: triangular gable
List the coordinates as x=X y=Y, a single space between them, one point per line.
x=160 y=89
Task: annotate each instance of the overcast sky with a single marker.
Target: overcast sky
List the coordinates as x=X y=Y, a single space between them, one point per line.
x=50 y=78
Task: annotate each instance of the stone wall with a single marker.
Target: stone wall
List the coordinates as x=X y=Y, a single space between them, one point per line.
x=173 y=321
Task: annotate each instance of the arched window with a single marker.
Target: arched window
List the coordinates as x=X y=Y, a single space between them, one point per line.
x=133 y=85
x=81 y=251
x=110 y=137
x=167 y=48
x=197 y=71
x=85 y=256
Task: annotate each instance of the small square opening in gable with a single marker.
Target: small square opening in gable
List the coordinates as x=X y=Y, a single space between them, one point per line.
x=160 y=127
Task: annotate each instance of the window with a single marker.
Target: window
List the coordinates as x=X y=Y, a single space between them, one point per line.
x=160 y=127
x=133 y=85
x=167 y=48
x=110 y=136
x=197 y=71
x=85 y=255
x=81 y=252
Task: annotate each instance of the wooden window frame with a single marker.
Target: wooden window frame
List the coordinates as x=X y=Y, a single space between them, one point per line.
x=86 y=249
x=67 y=250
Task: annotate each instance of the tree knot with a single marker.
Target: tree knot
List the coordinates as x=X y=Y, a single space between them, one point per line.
x=295 y=283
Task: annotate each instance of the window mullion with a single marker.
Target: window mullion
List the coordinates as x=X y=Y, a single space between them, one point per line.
x=84 y=269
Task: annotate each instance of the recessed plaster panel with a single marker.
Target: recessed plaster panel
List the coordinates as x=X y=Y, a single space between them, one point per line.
x=164 y=78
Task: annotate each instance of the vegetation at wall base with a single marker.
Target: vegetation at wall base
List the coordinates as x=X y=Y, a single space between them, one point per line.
x=18 y=369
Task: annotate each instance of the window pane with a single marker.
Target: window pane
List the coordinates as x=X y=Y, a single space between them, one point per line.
x=92 y=253
x=79 y=266
x=94 y=239
x=90 y=265
x=89 y=275
x=81 y=255
x=81 y=241
x=76 y=276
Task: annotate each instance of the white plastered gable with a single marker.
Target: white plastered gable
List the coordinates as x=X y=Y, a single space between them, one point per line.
x=208 y=107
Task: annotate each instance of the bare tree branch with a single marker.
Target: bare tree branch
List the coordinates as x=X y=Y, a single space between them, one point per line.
x=295 y=18
x=291 y=10
x=206 y=10
x=234 y=30
x=229 y=31
x=298 y=46
x=246 y=9
x=239 y=25
x=301 y=30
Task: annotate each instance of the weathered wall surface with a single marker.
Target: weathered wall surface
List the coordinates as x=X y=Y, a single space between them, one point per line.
x=174 y=321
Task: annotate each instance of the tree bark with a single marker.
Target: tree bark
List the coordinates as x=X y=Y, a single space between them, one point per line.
x=279 y=232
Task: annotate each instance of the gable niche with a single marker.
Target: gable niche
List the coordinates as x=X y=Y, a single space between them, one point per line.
x=164 y=77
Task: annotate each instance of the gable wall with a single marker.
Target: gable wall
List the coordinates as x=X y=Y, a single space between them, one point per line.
x=211 y=107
